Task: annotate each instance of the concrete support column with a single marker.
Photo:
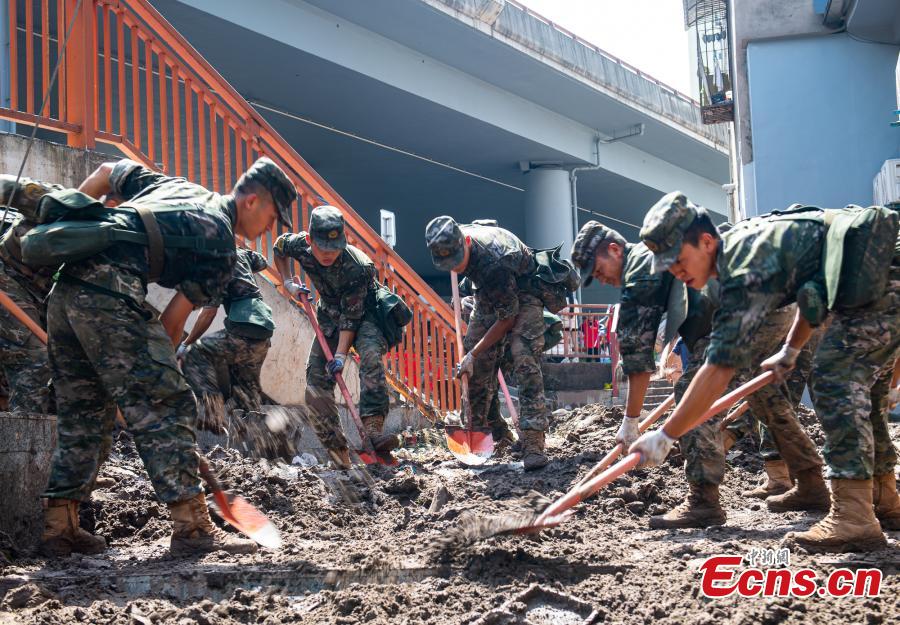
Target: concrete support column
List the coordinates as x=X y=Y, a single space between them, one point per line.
x=548 y=209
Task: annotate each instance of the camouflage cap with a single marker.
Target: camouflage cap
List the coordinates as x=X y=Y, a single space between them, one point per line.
x=446 y=242
x=272 y=177
x=326 y=228
x=664 y=227
x=584 y=250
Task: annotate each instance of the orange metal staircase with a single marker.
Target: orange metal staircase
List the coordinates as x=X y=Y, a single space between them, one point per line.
x=130 y=80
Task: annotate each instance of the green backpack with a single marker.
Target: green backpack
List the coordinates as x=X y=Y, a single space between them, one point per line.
x=554 y=278
x=859 y=247
x=553 y=330
x=392 y=314
x=75 y=226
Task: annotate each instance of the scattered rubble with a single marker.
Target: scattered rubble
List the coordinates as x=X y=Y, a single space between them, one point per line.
x=371 y=550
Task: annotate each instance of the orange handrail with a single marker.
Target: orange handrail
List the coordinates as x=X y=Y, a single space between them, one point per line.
x=129 y=79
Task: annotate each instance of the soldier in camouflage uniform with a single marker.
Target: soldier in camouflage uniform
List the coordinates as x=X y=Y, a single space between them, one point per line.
x=23 y=357
x=231 y=358
x=106 y=348
x=345 y=280
x=764 y=263
x=646 y=295
x=507 y=307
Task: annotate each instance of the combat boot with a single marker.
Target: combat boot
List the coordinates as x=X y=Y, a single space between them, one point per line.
x=886 y=501
x=851 y=524
x=700 y=509
x=62 y=533
x=533 y=456
x=810 y=493
x=193 y=531
x=384 y=443
x=778 y=481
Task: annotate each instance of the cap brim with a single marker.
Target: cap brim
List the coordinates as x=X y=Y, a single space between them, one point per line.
x=448 y=263
x=284 y=217
x=331 y=245
x=662 y=261
x=587 y=279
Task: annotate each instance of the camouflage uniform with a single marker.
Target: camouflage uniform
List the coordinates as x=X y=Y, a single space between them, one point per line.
x=230 y=361
x=23 y=357
x=346 y=292
x=770 y=261
x=500 y=267
x=106 y=347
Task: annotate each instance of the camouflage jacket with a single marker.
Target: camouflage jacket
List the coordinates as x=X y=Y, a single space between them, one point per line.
x=343 y=288
x=497 y=260
x=761 y=264
x=124 y=267
x=36 y=281
x=247 y=313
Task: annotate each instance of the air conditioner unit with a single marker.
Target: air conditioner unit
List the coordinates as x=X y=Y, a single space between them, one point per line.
x=389 y=227
x=886 y=186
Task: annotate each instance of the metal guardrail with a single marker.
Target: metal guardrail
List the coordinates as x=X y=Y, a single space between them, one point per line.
x=130 y=80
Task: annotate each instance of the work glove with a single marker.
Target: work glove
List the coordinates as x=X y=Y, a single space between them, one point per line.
x=295 y=289
x=180 y=352
x=653 y=446
x=335 y=365
x=628 y=431
x=781 y=363
x=466 y=366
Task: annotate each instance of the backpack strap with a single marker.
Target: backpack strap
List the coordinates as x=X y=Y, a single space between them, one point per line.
x=155 y=246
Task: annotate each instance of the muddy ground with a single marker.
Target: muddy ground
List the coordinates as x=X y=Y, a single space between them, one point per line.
x=380 y=559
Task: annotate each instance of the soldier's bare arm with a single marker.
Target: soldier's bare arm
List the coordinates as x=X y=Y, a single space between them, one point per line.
x=97 y=184
x=494 y=334
x=175 y=315
x=201 y=325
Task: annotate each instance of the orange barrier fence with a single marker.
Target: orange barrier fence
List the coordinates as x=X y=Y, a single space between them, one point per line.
x=130 y=80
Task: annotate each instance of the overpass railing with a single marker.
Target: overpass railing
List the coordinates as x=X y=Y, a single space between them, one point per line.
x=130 y=80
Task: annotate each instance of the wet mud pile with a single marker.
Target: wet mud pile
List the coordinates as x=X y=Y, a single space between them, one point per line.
x=371 y=547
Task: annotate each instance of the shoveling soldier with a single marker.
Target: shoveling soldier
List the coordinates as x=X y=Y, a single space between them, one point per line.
x=604 y=254
x=346 y=282
x=508 y=307
x=844 y=261
x=232 y=357
x=23 y=356
x=105 y=346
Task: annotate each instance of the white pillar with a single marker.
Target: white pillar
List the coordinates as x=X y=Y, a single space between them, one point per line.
x=548 y=209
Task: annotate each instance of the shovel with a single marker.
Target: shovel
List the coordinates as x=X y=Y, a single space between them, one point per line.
x=368 y=455
x=235 y=510
x=560 y=510
x=470 y=447
x=734 y=415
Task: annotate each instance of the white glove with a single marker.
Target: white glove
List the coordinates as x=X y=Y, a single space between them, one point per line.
x=894 y=398
x=781 y=363
x=466 y=366
x=628 y=431
x=653 y=446
x=181 y=351
x=295 y=289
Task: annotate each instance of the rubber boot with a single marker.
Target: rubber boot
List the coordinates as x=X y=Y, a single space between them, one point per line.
x=700 y=509
x=193 y=531
x=778 y=481
x=809 y=493
x=851 y=524
x=533 y=456
x=62 y=533
x=886 y=501
x=383 y=443
x=729 y=439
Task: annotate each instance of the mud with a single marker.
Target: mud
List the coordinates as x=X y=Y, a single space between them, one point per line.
x=372 y=548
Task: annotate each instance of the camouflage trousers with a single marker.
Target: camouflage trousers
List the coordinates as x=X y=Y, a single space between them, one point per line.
x=106 y=351
x=850 y=384
x=703 y=448
x=23 y=357
x=749 y=425
x=526 y=344
x=225 y=367
x=371 y=346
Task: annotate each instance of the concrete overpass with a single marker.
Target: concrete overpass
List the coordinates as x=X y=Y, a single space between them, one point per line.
x=472 y=108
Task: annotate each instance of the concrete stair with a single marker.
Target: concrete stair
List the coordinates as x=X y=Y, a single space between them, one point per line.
x=657 y=393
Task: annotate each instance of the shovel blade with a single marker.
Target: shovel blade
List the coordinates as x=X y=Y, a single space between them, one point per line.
x=246 y=518
x=386 y=459
x=472 y=448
